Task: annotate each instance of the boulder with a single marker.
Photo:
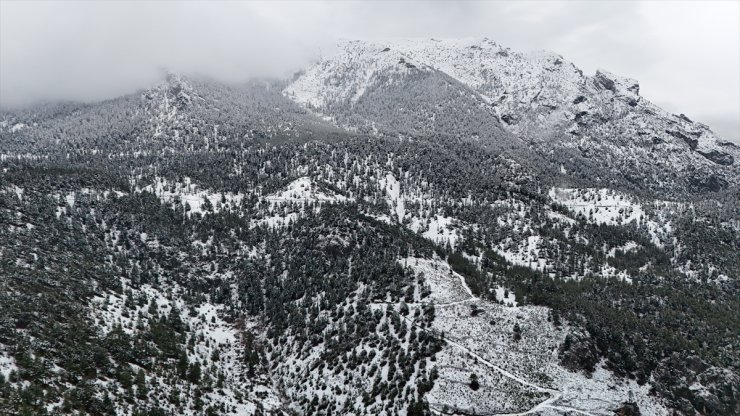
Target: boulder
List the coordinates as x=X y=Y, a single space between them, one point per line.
x=616 y=84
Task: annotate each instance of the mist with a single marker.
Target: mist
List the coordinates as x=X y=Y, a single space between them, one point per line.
x=685 y=54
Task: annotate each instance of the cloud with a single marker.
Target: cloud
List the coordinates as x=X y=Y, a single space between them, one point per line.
x=684 y=53
x=92 y=50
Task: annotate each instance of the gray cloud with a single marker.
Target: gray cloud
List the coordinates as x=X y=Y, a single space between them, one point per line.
x=685 y=54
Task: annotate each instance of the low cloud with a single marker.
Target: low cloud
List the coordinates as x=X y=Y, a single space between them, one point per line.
x=684 y=54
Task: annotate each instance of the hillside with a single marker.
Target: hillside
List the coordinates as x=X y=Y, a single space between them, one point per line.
x=403 y=228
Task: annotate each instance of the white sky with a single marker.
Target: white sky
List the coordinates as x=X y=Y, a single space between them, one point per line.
x=685 y=54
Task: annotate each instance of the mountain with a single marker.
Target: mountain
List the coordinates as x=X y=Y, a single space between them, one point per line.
x=590 y=124
x=403 y=228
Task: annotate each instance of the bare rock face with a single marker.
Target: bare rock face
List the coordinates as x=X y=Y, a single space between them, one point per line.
x=711 y=182
x=628 y=409
x=691 y=141
x=718 y=157
x=604 y=81
x=616 y=84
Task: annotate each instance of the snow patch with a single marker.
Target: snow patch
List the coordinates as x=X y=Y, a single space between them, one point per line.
x=304 y=190
x=193 y=195
x=609 y=207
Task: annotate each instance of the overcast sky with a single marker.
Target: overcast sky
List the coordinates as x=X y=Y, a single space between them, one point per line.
x=685 y=54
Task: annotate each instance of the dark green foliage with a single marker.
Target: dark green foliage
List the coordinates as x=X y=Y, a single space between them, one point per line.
x=517 y=333
x=472 y=276
x=194 y=373
x=474 y=384
x=311 y=283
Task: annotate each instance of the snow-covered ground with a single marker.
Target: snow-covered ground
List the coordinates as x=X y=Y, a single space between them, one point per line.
x=432 y=226
x=7 y=363
x=525 y=252
x=210 y=334
x=445 y=284
x=606 y=206
x=496 y=394
x=193 y=195
x=303 y=372
x=516 y=376
x=440 y=229
x=304 y=190
x=393 y=195
x=361 y=66
x=284 y=205
x=15 y=127
x=626 y=248
x=292 y=201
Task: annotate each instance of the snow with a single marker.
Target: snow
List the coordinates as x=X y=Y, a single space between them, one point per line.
x=380 y=217
x=622 y=85
x=525 y=253
x=506 y=297
x=440 y=229
x=304 y=190
x=516 y=377
x=18 y=127
x=625 y=248
x=210 y=332
x=560 y=217
x=393 y=191
x=604 y=391
x=275 y=221
x=18 y=192
x=192 y=194
x=497 y=393
x=437 y=228
x=489 y=68
x=492 y=71
x=347 y=75
x=7 y=363
x=345 y=387
x=447 y=286
x=606 y=206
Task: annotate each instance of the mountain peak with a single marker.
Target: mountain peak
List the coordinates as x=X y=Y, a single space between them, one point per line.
x=539 y=97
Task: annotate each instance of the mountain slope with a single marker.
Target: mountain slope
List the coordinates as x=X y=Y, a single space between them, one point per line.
x=179 y=114
x=391 y=244
x=376 y=90
x=586 y=124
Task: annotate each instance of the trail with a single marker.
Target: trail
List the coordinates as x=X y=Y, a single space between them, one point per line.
x=500 y=370
x=555 y=395
x=457 y=302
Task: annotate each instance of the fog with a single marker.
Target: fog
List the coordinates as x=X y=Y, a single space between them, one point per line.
x=685 y=54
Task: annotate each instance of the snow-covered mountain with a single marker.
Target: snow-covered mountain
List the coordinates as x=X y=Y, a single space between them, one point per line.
x=595 y=123
x=407 y=228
